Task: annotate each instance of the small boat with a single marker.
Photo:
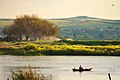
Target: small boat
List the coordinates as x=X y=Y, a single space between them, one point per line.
x=82 y=69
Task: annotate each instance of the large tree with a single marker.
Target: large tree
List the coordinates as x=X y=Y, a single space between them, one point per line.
x=30 y=26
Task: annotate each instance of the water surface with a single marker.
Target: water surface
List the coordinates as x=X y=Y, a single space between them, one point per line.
x=60 y=67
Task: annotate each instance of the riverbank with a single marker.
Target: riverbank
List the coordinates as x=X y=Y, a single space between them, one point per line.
x=60 y=48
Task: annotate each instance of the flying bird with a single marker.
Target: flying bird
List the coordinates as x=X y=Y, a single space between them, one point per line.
x=113 y=5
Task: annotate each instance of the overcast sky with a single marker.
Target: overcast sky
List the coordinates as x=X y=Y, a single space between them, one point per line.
x=109 y=9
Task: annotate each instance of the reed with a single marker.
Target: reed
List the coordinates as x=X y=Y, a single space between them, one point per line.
x=29 y=74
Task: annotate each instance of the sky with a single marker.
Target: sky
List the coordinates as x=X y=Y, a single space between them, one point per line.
x=107 y=9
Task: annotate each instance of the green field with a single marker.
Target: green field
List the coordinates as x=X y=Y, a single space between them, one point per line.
x=5 y=22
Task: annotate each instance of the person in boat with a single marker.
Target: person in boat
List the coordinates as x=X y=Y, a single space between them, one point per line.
x=81 y=68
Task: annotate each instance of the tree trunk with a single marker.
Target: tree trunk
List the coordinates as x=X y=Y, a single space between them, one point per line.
x=20 y=37
x=27 y=37
x=40 y=37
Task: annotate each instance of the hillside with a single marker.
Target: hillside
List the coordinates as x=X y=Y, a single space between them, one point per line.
x=88 y=28
x=83 y=28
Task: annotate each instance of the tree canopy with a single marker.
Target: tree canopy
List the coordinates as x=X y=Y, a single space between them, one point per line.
x=26 y=25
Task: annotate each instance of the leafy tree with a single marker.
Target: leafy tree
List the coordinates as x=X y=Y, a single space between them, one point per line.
x=30 y=26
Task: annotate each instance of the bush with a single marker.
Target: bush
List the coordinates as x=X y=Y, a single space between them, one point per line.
x=31 y=46
x=31 y=49
x=29 y=74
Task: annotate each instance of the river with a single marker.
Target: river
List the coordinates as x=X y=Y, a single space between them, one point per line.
x=60 y=67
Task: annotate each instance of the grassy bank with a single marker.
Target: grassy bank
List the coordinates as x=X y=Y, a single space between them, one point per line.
x=90 y=42
x=58 y=48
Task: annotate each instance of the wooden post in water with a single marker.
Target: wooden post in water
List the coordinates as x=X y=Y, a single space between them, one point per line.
x=109 y=76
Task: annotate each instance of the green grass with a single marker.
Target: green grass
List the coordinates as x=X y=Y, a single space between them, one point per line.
x=60 y=48
x=91 y=42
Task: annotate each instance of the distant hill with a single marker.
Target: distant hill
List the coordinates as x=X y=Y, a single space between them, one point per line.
x=80 y=18
x=83 y=28
x=88 y=28
x=6 y=19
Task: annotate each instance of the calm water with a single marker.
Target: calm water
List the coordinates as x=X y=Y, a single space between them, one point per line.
x=60 y=67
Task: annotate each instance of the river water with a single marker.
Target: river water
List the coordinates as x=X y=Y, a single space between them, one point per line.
x=60 y=67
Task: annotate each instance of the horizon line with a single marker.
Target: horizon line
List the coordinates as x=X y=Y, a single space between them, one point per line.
x=63 y=17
